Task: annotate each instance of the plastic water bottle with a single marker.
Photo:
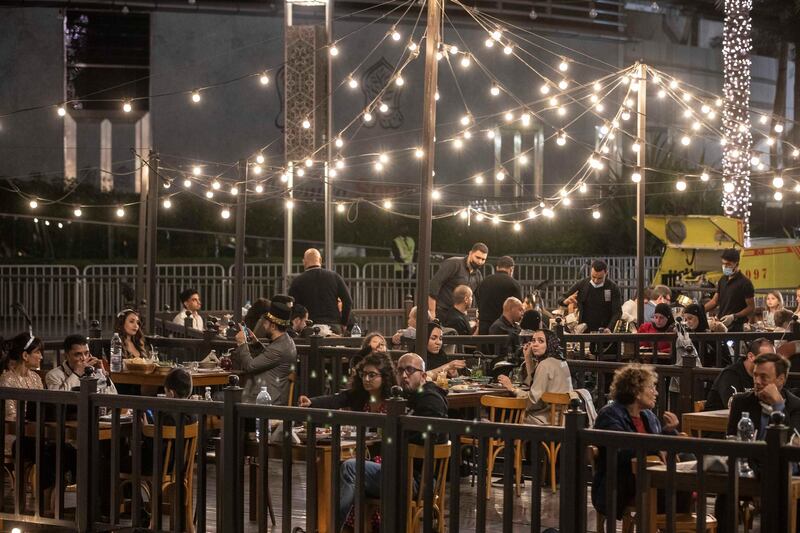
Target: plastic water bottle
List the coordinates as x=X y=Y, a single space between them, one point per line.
x=116 y=353
x=746 y=431
x=207 y=396
x=263 y=398
x=356 y=331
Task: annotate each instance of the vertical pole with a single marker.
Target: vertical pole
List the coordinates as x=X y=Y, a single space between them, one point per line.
x=435 y=8
x=84 y=513
x=287 y=230
x=141 y=256
x=328 y=164
x=152 y=237
x=641 y=136
x=241 y=222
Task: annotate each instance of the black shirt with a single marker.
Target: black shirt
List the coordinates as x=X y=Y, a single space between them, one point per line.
x=599 y=307
x=733 y=375
x=458 y=321
x=491 y=294
x=733 y=291
x=452 y=272
x=501 y=326
x=317 y=289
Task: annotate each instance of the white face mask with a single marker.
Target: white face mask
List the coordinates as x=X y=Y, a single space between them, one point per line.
x=597 y=285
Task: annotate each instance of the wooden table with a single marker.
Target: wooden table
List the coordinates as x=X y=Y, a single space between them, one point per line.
x=715 y=483
x=464 y=400
x=709 y=421
x=156 y=379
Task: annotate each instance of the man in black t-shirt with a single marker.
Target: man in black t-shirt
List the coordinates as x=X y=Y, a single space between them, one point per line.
x=455 y=271
x=599 y=299
x=457 y=317
x=494 y=291
x=735 y=294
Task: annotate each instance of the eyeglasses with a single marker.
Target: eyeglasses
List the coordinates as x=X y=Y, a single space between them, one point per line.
x=369 y=376
x=408 y=370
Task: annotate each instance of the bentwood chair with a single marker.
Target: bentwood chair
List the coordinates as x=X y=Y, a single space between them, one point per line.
x=502 y=410
x=559 y=403
x=415 y=505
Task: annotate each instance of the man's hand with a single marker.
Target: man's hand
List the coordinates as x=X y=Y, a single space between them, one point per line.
x=397 y=337
x=770 y=395
x=670 y=421
x=505 y=381
x=572 y=299
x=240 y=337
x=727 y=320
x=304 y=401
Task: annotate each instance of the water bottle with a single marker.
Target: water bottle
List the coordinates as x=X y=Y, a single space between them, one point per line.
x=116 y=353
x=746 y=431
x=263 y=398
x=356 y=331
x=207 y=395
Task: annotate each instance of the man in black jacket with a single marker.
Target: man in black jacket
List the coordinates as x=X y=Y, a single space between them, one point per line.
x=494 y=291
x=457 y=317
x=599 y=299
x=318 y=289
x=738 y=376
x=455 y=271
x=424 y=399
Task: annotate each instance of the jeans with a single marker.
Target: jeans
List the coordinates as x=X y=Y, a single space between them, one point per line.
x=347 y=494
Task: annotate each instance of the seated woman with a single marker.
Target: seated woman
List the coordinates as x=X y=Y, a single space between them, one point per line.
x=773 y=304
x=634 y=395
x=373 y=343
x=695 y=320
x=437 y=359
x=129 y=326
x=662 y=322
x=543 y=361
x=370 y=386
x=22 y=358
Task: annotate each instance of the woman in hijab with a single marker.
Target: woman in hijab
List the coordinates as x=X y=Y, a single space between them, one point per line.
x=662 y=322
x=437 y=359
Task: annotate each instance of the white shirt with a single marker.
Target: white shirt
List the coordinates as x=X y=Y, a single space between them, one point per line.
x=63 y=378
x=197 y=321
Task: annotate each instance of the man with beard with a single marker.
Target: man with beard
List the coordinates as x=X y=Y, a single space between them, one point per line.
x=455 y=271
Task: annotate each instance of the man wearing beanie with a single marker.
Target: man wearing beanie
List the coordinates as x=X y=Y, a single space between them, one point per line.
x=275 y=361
x=735 y=294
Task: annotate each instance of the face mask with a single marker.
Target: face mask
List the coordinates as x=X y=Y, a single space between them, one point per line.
x=597 y=285
x=728 y=271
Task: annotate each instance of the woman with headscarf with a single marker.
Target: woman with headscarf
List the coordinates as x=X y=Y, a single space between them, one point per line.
x=437 y=360
x=662 y=322
x=547 y=371
x=696 y=321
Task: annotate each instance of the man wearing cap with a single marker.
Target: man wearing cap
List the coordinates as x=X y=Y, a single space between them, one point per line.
x=494 y=291
x=275 y=361
x=190 y=299
x=735 y=294
x=318 y=290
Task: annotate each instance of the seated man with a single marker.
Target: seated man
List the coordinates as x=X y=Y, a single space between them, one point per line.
x=300 y=327
x=456 y=317
x=736 y=377
x=190 y=299
x=508 y=324
x=424 y=399
x=405 y=336
x=67 y=376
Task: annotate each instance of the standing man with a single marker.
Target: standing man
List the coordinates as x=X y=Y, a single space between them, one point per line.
x=318 y=289
x=190 y=299
x=457 y=317
x=494 y=291
x=455 y=271
x=599 y=299
x=735 y=294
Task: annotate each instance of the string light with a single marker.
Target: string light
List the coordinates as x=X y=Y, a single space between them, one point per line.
x=309 y=162
x=523 y=160
x=367 y=117
x=196 y=170
x=411 y=46
x=479 y=179
x=583 y=188
x=260 y=159
x=458 y=144
x=126 y=106
x=34 y=204
x=704 y=176
x=479 y=217
x=352 y=83
x=491 y=134
x=216 y=185
x=544 y=89
x=488 y=43
x=340 y=208
x=500 y=176
x=209 y=195
x=563 y=84
x=396 y=35
x=436 y=195
x=680 y=185
x=596 y=214
x=257 y=169
x=61 y=111
x=167 y=203
x=77 y=212
x=778 y=196
x=120 y=212
x=195 y=96
x=264 y=79
x=383 y=108
x=301 y=172
x=777 y=182
x=548 y=212
x=778 y=127
x=636 y=176
x=563 y=66
x=495 y=90
x=465 y=61
x=226 y=213
x=561 y=140
x=508 y=50
x=334 y=51
x=796 y=152
x=259 y=188
x=686 y=140
x=418 y=153
x=234 y=190
x=306 y=124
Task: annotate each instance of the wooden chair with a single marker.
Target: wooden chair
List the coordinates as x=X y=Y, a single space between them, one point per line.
x=292 y=379
x=169 y=479
x=415 y=506
x=503 y=410
x=559 y=403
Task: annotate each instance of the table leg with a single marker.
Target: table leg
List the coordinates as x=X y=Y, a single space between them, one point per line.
x=652 y=510
x=324 y=458
x=253 y=489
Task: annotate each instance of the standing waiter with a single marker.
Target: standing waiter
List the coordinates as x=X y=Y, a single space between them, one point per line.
x=494 y=291
x=735 y=294
x=455 y=271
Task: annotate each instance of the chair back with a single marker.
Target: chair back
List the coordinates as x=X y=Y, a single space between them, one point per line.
x=291 y=378
x=169 y=434
x=505 y=410
x=441 y=460
x=559 y=403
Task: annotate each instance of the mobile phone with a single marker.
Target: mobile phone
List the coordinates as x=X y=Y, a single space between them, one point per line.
x=247 y=332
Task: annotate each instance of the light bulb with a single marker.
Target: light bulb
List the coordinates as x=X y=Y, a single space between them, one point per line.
x=465 y=120
x=458 y=144
x=626 y=115
x=464 y=214
x=500 y=176
x=187 y=183
x=593 y=98
x=509 y=116
x=411 y=46
x=120 y=212
x=340 y=164
x=215 y=185
x=439 y=56
x=436 y=195
x=264 y=79
x=686 y=140
x=257 y=169
x=306 y=124
x=226 y=213
x=378 y=166
x=553 y=101
x=673 y=84
x=195 y=96
x=797 y=187
x=563 y=66
x=561 y=140
x=696 y=125
x=61 y=111
x=728 y=187
x=718 y=102
x=544 y=89
x=496 y=35
x=778 y=196
x=126 y=106
x=508 y=50
x=562 y=111
x=334 y=51
x=680 y=185
x=332 y=173
x=309 y=162
x=196 y=170
x=526 y=119
x=796 y=152
x=234 y=190
x=367 y=117
x=260 y=159
x=209 y=195
x=523 y=160
x=763 y=119
x=626 y=80
x=563 y=84
x=583 y=188
x=383 y=108
x=479 y=217
x=418 y=153
x=340 y=208
x=704 y=176
x=686 y=97
x=755 y=160
x=705 y=109
x=289 y=204
x=495 y=90
x=567 y=201
x=662 y=93
x=777 y=182
x=399 y=81
x=352 y=83
x=465 y=61
x=489 y=43
x=636 y=177
x=301 y=172
x=548 y=212
x=479 y=179
x=259 y=188
x=34 y=204
x=77 y=212
x=597 y=87
x=656 y=79
x=167 y=203
x=770 y=141
x=436 y=96
x=284 y=177
x=636 y=146
x=596 y=214
x=600 y=107
x=396 y=35
x=490 y=134
x=387 y=204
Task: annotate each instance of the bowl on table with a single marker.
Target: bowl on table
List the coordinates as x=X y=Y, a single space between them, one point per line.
x=140 y=366
x=208 y=365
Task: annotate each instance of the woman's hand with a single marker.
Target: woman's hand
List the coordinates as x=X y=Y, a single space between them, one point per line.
x=303 y=401
x=240 y=337
x=505 y=381
x=671 y=422
x=455 y=365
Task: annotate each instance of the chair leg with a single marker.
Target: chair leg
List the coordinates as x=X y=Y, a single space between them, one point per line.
x=493 y=452
x=518 y=467
x=553 y=459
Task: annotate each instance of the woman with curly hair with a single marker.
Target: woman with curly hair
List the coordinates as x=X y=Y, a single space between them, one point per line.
x=546 y=371
x=634 y=395
x=370 y=387
x=129 y=326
